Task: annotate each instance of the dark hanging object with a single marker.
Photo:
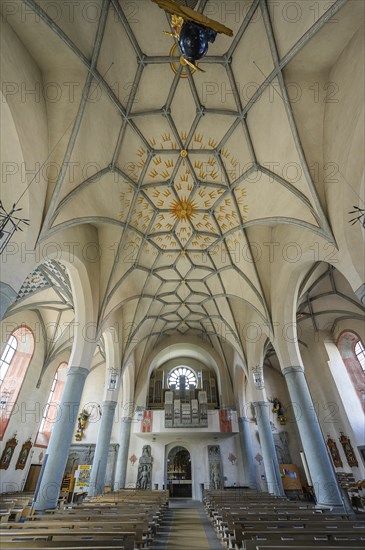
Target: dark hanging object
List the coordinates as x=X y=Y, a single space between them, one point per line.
x=360 y=216
x=192 y=30
x=9 y=224
x=194 y=40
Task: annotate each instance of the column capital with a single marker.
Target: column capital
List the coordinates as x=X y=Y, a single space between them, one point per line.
x=261 y=404
x=360 y=293
x=8 y=297
x=290 y=370
x=81 y=371
x=126 y=419
x=243 y=419
x=109 y=404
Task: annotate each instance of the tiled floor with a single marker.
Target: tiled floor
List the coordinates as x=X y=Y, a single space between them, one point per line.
x=186 y=527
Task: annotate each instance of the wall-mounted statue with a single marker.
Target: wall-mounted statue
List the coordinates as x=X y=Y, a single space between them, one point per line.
x=215 y=467
x=215 y=477
x=82 y=421
x=144 y=478
x=278 y=409
x=144 y=475
x=84 y=418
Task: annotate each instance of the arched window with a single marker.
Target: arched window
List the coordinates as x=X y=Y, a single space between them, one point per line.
x=49 y=402
x=360 y=354
x=14 y=362
x=353 y=355
x=182 y=373
x=51 y=409
x=7 y=356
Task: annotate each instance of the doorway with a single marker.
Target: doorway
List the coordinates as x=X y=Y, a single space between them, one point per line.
x=179 y=479
x=32 y=478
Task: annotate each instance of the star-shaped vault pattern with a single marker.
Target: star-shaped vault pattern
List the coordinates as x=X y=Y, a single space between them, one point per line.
x=183 y=161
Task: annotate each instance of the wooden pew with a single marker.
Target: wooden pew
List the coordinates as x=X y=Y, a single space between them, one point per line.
x=235 y=530
x=124 y=538
x=143 y=532
x=301 y=545
x=144 y=528
x=225 y=521
x=246 y=520
x=294 y=523
x=128 y=514
x=142 y=535
x=12 y=508
x=59 y=545
x=292 y=535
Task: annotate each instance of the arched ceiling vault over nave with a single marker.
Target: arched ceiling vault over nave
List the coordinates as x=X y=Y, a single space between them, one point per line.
x=187 y=178
x=325 y=305
x=48 y=294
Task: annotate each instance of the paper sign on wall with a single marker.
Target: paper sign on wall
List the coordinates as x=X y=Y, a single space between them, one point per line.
x=82 y=478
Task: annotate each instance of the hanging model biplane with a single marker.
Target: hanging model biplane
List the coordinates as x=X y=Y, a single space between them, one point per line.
x=192 y=30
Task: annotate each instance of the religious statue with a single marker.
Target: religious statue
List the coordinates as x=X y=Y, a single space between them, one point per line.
x=81 y=424
x=278 y=409
x=215 y=477
x=146 y=451
x=144 y=475
x=215 y=467
x=144 y=478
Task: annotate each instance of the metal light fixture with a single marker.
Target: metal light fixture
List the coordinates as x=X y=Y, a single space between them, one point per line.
x=360 y=216
x=9 y=224
x=113 y=379
x=258 y=377
x=192 y=30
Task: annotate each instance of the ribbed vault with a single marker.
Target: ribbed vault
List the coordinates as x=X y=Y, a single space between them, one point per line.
x=179 y=171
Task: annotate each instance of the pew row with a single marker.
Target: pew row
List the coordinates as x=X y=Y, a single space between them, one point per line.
x=246 y=519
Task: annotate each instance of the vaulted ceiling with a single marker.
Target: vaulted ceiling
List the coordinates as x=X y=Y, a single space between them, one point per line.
x=182 y=172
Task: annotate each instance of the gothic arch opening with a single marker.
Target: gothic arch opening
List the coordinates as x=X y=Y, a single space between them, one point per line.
x=179 y=476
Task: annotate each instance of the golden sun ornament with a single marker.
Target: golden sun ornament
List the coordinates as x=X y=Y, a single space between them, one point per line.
x=183 y=209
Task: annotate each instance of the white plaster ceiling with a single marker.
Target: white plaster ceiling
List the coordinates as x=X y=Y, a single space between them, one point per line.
x=326 y=299
x=179 y=170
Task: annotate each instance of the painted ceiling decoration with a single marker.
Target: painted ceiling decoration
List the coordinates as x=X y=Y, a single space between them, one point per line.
x=50 y=274
x=186 y=194
x=47 y=291
x=190 y=168
x=321 y=283
x=325 y=300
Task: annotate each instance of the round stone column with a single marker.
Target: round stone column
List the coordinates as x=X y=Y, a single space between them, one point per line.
x=55 y=460
x=274 y=483
x=320 y=467
x=98 y=470
x=122 y=459
x=247 y=454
